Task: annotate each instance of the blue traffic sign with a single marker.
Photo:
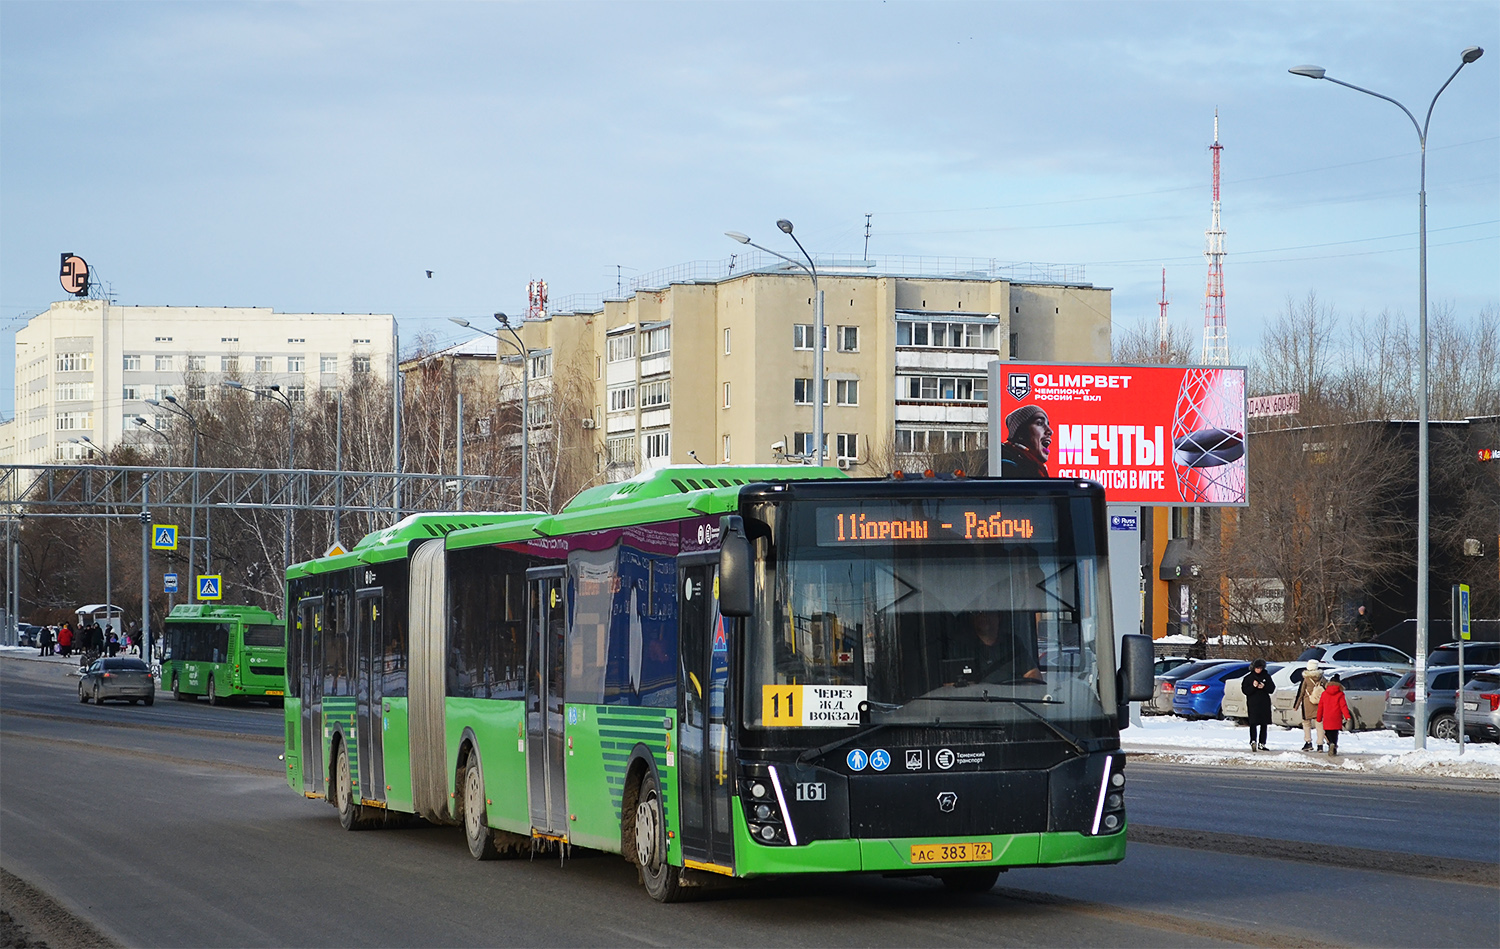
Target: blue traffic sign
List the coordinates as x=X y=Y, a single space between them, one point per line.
x=169 y=583
x=164 y=536
x=880 y=759
x=211 y=587
x=856 y=760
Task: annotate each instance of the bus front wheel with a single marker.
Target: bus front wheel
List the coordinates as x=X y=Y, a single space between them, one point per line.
x=177 y=690
x=658 y=875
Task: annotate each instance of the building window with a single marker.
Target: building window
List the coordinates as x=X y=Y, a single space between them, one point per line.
x=657 y=445
x=598 y=368
x=802 y=391
x=263 y=364
x=802 y=336
x=622 y=398
x=1015 y=344
x=655 y=394
x=802 y=443
x=656 y=341
x=931 y=441
x=74 y=392
x=74 y=421
x=296 y=364
x=295 y=341
x=848 y=446
x=132 y=363
x=359 y=364
x=163 y=339
x=68 y=452
x=541 y=365
x=163 y=363
x=361 y=342
x=328 y=364
x=726 y=449
x=848 y=339
x=620 y=348
x=229 y=339
x=944 y=388
x=296 y=393
x=620 y=450
x=945 y=335
x=162 y=392
x=229 y=363
x=848 y=391
x=726 y=342
x=726 y=395
x=196 y=363
x=197 y=393
x=131 y=394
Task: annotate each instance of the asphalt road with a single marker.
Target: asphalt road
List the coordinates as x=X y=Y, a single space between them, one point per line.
x=172 y=826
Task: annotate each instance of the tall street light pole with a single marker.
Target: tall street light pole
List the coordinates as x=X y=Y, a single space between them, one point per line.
x=1419 y=732
x=811 y=269
x=176 y=408
x=109 y=587
x=524 y=353
x=274 y=394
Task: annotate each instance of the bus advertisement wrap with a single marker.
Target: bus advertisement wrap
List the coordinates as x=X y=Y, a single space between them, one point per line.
x=1158 y=435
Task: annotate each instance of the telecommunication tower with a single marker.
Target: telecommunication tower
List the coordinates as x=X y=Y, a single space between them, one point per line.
x=536 y=299
x=1161 y=321
x=1215 y=329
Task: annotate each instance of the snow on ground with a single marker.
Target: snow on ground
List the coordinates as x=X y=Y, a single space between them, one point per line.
x=1167 y=737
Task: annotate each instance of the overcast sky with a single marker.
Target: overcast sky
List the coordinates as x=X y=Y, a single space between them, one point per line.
x=322 y=157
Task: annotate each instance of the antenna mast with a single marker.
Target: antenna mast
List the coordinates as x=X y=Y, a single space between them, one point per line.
x=1215 y=329
x=867 y=237
x=1161 y=321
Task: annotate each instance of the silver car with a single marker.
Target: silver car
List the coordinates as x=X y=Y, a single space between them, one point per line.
x=1358 y=654
x=119 y=678
x=1481 y=699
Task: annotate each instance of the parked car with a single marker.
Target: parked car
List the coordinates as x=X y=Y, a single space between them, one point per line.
x=1168 y=663
x=1481 y=699
x=1161 y=699
x=1358 y=654
x=1235 y=705
x=1201 y=694
x=119 y=678
x=1478 y=655
x=26 y=634
x=1442 y=686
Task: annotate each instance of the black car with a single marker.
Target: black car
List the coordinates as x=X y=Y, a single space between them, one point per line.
x=119 y=678
x=1478 y=655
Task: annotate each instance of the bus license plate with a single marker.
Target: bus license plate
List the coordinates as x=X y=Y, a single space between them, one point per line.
x=274 y=692
x=951 y=853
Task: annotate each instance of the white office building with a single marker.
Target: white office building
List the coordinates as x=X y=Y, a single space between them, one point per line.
x=87 y=368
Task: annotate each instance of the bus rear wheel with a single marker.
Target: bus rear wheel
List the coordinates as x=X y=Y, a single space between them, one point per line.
x=660 y=877
x=213 y=692
x=477 y=832
x=351 y=815
x=974 y=880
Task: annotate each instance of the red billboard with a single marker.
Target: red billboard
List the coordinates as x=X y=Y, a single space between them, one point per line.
x=1153 y=435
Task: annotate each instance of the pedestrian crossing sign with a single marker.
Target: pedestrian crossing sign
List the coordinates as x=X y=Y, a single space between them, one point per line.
x=210 y=587
x=164 y=536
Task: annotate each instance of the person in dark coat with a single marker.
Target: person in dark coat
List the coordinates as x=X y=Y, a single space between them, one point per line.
x=1257 y=686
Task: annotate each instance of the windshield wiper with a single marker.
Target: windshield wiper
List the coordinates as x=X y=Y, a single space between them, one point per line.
x=821 y=750
x=1025 y=705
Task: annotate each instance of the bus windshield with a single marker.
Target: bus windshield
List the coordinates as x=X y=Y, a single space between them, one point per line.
x=933 y=612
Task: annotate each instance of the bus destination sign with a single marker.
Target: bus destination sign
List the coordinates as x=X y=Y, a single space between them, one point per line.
x=878 y=522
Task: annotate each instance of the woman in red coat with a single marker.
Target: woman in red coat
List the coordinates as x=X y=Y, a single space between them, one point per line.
x=65 y=640
x=1333 y=712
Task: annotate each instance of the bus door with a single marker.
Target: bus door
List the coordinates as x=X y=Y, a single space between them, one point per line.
x=544 y=701
x=310 y=628
x=369 y=630
x=706 y=771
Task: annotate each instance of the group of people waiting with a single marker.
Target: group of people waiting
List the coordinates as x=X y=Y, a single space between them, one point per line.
x=89 y=639
x=1320 y=703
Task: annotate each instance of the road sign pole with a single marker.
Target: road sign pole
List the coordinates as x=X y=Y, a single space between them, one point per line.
x=146 y=569
x=1460 y=633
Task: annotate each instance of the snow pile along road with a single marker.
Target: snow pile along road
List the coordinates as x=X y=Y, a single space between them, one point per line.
x=1375 y=752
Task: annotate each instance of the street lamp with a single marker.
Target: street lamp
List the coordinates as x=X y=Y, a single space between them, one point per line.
x=812 y=270
x=1419 y=733
x=273 y=393
x=109 y=586
x=525 y=354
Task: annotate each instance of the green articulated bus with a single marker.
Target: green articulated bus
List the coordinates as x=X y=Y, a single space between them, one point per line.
x=731 y=671
x=224 y=652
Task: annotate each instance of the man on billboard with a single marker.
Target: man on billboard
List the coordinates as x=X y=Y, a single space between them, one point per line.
x=1028 y=444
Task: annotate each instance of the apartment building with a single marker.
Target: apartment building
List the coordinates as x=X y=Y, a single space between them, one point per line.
x=720 y=367
x=88 y=367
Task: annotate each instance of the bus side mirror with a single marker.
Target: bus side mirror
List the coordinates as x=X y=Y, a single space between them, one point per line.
x=736 y=567
x=1137 y=668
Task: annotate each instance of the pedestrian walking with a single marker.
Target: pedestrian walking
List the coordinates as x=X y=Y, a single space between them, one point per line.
x=1308 y=693
x=65 y=640
x=1257 y=686
x=1333 y=712
x=45 y=642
